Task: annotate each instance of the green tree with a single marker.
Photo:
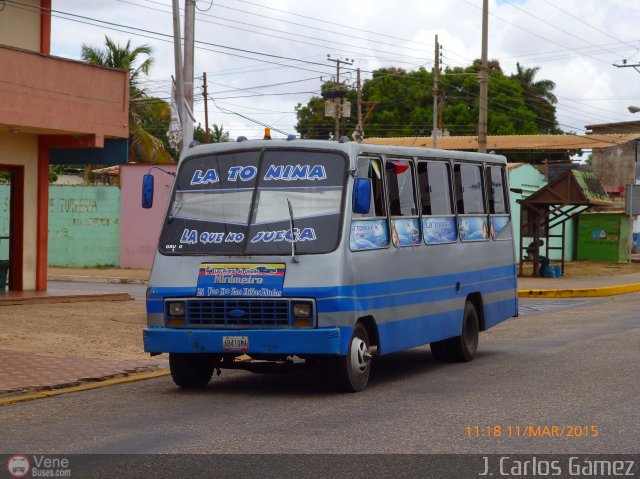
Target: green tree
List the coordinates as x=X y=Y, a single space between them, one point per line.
x=217 y=134
x=143 y=145
x=312 y=122
x=404 y=105
x=539 y=98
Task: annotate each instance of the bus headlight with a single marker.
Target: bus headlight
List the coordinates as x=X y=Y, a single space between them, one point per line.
x=302 y=315
x=176 y=308
x=301 y=310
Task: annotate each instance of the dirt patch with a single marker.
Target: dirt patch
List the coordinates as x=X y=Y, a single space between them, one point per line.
x=101 y=329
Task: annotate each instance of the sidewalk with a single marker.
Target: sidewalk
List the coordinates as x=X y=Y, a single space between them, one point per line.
x=578 y=286
x=95 y=337
x=52 y=342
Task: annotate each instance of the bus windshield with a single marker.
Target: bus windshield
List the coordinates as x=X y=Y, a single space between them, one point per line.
x=238 y=203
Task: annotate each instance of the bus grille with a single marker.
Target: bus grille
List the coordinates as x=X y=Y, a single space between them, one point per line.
x=230 y=313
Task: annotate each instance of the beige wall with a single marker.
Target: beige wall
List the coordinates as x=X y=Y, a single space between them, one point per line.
x=20 y=25
x=615 y=166
x=60 y=96
x=19 y=149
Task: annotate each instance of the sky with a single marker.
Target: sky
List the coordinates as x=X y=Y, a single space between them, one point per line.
x=263 y=57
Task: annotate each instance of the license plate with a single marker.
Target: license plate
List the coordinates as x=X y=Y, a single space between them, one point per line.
x=235 y=343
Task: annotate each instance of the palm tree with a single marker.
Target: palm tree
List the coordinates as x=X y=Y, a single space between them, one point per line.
x=542 y=88
x=218 y=135
x=538 y=97
x=144 y=146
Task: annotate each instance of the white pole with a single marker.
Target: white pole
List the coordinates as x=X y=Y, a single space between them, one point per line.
x=484 y=87
x=177 y=51
x=189 y=35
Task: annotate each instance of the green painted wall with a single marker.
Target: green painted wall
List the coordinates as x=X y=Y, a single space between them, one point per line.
x=84 y=226
x=603 y=237
x=531 y=180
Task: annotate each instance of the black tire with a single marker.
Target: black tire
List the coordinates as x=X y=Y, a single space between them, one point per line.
x=460 y=348
x=190 y=370
x=353 y=370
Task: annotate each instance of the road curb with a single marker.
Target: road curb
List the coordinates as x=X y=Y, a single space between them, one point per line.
x=130 y=378
x=95 y=279
x=579 y=292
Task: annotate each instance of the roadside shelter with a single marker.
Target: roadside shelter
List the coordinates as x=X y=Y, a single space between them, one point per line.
x=552 y=206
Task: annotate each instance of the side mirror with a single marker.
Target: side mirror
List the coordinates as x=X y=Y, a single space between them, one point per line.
x=361 y=195
x=147 y=191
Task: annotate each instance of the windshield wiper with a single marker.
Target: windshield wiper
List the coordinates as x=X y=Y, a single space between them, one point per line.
x=293 y=238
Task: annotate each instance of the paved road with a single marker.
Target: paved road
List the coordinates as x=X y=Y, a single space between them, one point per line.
x=137 y=291
x=569 y=367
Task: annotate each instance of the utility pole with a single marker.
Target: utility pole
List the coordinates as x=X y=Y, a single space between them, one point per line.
x=338 y=99
x=177 y=51
x=484 y=80
x=359 y=134
x=206 y=107
x=189 y=35
x=436 y=79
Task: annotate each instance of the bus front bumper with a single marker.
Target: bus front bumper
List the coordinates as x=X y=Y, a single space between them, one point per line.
x=269 y=341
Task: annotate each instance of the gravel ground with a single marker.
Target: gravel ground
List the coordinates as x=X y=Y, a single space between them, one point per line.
x=103 y=329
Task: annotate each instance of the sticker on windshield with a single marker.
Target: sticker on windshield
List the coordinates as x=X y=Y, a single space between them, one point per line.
x=369 y=234
x=439 y=230
x=501 y=227
x=405 y=232
x=473 y=228
x=247 y=280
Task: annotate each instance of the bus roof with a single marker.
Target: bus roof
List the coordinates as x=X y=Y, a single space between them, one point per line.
x=351 y=148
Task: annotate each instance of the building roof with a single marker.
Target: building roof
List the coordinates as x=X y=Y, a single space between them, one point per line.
x=512 y=142
x=573 y=188
x=620 y=127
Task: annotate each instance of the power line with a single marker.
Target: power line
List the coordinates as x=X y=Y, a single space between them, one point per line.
x=258 y=122
x=590 y=26
x=554 y=26
x=169 y=38
x=350 y=27
x=252 y=30
x=546 y=39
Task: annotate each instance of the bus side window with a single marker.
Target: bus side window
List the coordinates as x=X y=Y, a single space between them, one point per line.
x=496 y=190
x=469 y=189
x=405 y=224
x=370 y=168
x=402 y=199
x=435 y=188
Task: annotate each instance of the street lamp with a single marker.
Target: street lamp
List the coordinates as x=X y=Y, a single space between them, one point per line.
x=633 y=109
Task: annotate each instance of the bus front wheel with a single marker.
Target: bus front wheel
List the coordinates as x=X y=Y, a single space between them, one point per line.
x=460 y=348
x=353 y=369
x=190 y=370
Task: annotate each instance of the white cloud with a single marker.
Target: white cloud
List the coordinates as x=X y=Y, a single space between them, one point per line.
x=383 y=33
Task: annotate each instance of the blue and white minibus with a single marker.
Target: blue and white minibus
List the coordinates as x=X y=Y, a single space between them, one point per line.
x=275 y=253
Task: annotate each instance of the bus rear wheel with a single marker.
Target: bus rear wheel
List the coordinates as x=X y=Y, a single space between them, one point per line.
x=190 y=370
x=460 y=348
x=353 y=370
